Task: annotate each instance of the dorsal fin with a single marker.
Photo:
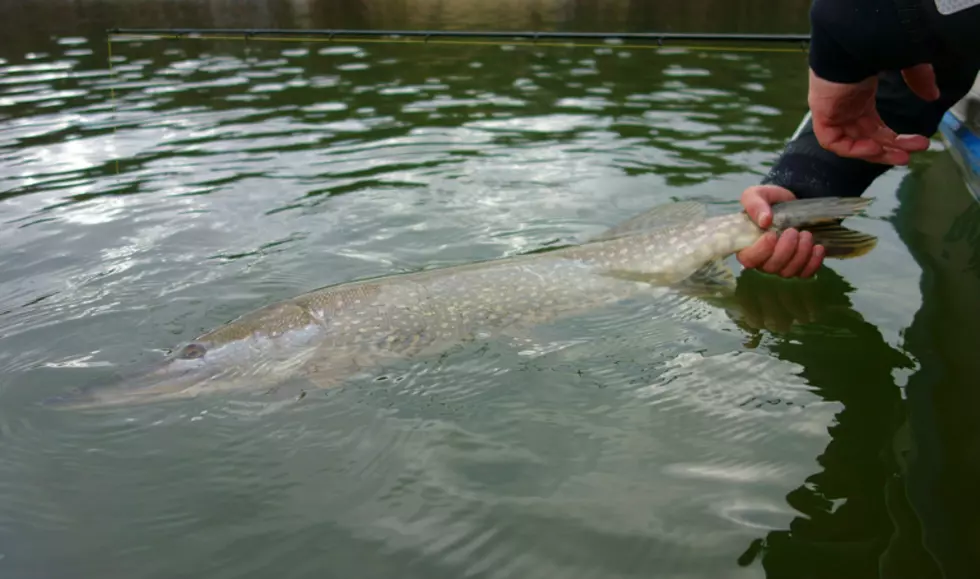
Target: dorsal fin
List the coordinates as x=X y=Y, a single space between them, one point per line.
x=655 y=218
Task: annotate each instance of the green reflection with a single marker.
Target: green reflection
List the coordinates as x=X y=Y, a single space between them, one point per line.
x=255 y=166
x=896 y=496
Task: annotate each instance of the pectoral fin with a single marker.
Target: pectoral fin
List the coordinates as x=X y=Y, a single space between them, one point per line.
x=841 y=242
x=335 y=366
x=712 y=278
x=287 y=392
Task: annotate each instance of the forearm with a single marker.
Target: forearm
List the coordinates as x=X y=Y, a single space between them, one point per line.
x=808 y=170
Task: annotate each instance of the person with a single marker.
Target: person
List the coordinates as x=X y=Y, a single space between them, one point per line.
x=882 y=73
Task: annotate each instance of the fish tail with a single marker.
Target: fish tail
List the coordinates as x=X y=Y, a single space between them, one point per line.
x=800 y=213
x=822 y=216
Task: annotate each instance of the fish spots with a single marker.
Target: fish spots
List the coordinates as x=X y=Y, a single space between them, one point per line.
x=319 y=316
x=722 y=243
x=407 y=315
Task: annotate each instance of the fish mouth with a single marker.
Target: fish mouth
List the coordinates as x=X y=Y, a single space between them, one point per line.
x=128 y=389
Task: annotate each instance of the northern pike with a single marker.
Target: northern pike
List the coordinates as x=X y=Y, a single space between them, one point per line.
x=327 y=336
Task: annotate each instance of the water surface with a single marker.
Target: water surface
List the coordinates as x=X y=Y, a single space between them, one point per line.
x=195 y=180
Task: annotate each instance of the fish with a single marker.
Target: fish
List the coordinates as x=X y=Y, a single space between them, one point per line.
x=325 y=337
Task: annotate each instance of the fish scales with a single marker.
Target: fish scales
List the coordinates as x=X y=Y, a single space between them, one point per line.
x=408 y=314
x=329 y=334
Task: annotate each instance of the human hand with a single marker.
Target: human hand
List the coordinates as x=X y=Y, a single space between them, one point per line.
x=791 y=254
x=846 y=119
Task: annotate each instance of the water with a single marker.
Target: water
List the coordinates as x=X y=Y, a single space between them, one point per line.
x=197 y=180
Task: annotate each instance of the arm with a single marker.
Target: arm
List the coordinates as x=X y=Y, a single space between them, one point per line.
x=808 y=170
x=852 y=40
x=930 y=62
x=805 y=169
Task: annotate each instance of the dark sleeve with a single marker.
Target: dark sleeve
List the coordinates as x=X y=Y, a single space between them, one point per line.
x=851 y=40
x=809 y=170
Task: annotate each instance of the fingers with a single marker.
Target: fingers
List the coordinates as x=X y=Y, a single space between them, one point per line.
x=757 y=254
x=872 y=126
x=758 y=200
x=783 y=252
x=816 y=259
x=846 y=121
x=872 y=149
x=793 y=254
x=801 y=256
x=788 y=255
x=869 y=139
x=921 y=79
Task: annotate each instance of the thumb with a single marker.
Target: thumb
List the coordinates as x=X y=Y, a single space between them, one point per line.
x=921 y=78
x=758 y=199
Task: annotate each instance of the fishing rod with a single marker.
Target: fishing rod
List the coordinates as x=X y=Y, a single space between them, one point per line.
x=461 y=36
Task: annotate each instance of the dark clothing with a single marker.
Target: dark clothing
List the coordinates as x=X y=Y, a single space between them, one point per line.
x=854 y=39
x=809 y=170
x=851 y=40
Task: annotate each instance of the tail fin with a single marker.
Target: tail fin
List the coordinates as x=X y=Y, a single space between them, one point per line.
x=822 y=216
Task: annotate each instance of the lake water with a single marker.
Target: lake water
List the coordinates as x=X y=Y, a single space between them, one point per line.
x=829 y=432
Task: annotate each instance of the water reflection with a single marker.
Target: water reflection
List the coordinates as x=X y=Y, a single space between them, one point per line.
x=197 y=180
x=89 y=17
x=896 y=496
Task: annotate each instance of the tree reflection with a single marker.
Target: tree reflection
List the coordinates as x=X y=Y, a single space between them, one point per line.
x=28 y=25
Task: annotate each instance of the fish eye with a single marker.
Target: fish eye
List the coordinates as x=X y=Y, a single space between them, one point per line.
x=192 y=352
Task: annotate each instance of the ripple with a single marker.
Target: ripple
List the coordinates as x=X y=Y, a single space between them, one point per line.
x=195 y=182
x=702 y=384
x=674 y=70
x=325 y=108
x=342 y=50
x=594 y=103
